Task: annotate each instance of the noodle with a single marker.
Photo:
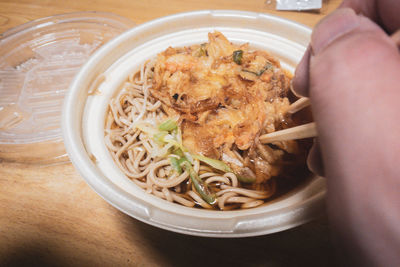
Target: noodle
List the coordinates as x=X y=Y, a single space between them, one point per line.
x=129 y=139
x=132 y=152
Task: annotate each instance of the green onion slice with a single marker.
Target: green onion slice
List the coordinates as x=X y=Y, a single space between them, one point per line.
x=216 y=164
x=159 y=137
x=244 y=179
x=168 y=125
x=175 y=164
x=237 y=56
x=201 y=187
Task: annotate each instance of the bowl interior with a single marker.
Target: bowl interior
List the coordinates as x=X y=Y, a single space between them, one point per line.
x=84 y=116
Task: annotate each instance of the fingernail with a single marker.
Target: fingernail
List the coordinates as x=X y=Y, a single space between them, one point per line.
x=332 y=27
x=396 y=38
x=301 y=75
x=314 y=160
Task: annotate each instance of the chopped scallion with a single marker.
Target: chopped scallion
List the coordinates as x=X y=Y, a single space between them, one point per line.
x=216 y=164
x=237 y=56
x=175 y=164
x=168 y=125
x=201 y=187
x=159 y=137
x=244 y=179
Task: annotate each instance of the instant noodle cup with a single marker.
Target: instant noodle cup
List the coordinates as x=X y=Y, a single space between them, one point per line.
x=86 y=106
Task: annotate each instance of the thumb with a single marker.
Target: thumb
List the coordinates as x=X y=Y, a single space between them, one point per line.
x=353 y=87
x=332 y=30
x=332 y=27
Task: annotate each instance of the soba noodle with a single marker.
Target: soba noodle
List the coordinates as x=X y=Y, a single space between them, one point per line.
x=132 y=151
x=185 y=126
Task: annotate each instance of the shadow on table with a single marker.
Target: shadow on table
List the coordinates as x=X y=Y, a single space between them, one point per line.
x=34 y=254
x=306 y=245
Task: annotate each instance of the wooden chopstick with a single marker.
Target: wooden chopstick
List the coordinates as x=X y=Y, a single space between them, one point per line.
x=298 y=132
x=298 y=105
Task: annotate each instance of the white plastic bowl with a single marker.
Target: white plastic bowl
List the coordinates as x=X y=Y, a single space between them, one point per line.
x=84 y=116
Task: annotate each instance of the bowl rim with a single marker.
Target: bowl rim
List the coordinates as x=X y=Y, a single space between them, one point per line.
x=302 y=212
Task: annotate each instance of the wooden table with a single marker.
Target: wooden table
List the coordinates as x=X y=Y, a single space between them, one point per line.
x=50 y=216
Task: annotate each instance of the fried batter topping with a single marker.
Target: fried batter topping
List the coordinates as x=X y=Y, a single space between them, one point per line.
x=226 y=95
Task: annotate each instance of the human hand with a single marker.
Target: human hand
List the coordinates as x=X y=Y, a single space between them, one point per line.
x=351 y=72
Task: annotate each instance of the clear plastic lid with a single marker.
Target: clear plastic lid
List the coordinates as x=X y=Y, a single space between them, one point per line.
x=37 y=62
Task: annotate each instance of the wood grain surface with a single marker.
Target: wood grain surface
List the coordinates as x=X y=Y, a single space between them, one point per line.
x=50 y=217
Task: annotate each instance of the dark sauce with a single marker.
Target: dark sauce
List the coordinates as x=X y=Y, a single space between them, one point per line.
x=295 y=172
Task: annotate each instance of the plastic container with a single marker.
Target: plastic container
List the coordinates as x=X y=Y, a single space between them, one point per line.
x=38 y=60
x=84 y=116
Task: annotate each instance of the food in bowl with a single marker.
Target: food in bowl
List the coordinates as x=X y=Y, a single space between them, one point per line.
x=185 y=127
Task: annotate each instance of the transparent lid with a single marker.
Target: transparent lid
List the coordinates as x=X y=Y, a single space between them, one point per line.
x=38 y=60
